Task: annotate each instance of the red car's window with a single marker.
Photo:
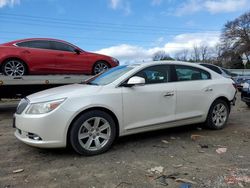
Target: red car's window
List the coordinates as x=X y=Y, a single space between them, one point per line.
x=35 y=44
x=61 y=46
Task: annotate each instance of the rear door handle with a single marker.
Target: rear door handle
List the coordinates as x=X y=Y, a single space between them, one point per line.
x=208 y=89
x=169 y=94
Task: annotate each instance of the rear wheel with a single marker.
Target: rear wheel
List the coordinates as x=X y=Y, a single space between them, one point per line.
x=218 y=115
x=14 y=67
x=100 y=66
x=93 y=133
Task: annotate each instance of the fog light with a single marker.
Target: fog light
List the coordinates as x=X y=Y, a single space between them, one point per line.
x=33 y=136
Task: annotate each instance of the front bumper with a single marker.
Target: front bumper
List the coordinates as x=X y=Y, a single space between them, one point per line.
x=44 y=130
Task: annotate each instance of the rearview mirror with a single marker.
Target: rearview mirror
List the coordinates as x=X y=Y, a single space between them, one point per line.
x=134 y=81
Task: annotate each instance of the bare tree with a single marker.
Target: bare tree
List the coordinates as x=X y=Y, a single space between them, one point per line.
x=161 y=55
x=204 y=52
x=235 y=37
x=196 y=53
x=182 y=55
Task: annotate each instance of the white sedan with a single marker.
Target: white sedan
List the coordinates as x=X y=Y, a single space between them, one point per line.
x=124 y=100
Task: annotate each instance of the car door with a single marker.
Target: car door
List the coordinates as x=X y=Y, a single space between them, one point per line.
x=39 y=56
x=68 y=60
x=194 y=89
x=147 y=106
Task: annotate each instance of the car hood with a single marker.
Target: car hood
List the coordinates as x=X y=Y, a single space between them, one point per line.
x=100 y=55
x=66 y=91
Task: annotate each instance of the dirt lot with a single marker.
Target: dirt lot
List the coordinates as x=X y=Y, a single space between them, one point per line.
x=159 y=159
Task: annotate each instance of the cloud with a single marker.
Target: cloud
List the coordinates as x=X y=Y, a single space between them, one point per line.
x=189 y=7
x=211 y=6
x=8 y=3
x=159 y=2
x=225 y=5
x=123 y=5
x=129 y=53
x=156 y=2
x=114 y=4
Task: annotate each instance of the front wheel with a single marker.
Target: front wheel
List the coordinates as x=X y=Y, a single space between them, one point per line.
x=14 y=67
x=99 y=67
x=218 y=115
x=93 y=133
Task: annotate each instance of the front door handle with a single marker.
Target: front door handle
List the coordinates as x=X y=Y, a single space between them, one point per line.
x=169 y=94
x=208 y=89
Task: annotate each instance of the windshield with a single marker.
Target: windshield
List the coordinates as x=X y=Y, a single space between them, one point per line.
x=111 y=75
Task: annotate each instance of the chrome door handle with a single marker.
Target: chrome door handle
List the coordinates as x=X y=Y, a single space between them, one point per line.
x=169 y=94
x=208 y=89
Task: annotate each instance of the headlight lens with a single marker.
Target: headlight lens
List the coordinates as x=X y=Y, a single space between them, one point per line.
x=44 y=107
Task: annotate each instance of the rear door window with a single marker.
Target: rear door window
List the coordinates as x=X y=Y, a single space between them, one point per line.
x=41 y=44
x=188 y=73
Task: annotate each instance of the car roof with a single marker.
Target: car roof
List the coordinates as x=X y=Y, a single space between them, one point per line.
x=169 y=62
x=32 y=39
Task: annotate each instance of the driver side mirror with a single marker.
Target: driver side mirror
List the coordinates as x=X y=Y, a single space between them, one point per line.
x=77 y=51
x=134 y=81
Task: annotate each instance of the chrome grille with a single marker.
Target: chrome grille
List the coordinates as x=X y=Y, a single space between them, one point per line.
x=22 y=105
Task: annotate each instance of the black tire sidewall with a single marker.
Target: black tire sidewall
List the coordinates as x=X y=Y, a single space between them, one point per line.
x=209 y=121
x=77 y=124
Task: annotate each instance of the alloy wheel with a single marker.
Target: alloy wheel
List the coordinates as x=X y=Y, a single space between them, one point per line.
x=219 y=115
x=94 y=133
x=100 y=67
x=14 y=68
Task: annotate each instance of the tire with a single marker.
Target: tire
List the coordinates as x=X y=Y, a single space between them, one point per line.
x=100 y=66
x=92 y=133
x=14 y=67
x=248 y=104
x=218 y=115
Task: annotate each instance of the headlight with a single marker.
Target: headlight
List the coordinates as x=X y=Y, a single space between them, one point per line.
x=44 y=107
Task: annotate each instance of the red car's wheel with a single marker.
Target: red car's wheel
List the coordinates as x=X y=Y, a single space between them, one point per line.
x=14 y=67
x=100 y=66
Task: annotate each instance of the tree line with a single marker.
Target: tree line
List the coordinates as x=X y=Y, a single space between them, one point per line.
x=232 y=50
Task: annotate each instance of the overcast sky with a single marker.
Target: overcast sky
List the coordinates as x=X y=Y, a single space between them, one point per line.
x=126 y=29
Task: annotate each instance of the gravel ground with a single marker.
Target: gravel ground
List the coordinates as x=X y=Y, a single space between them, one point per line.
x=165 y=158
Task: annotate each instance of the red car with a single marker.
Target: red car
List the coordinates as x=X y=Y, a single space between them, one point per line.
x=50 y=56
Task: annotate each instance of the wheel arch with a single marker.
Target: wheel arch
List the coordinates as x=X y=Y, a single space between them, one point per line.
x=14 y=58
x=112 y=114
x=221 y=98
x=226 y=100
